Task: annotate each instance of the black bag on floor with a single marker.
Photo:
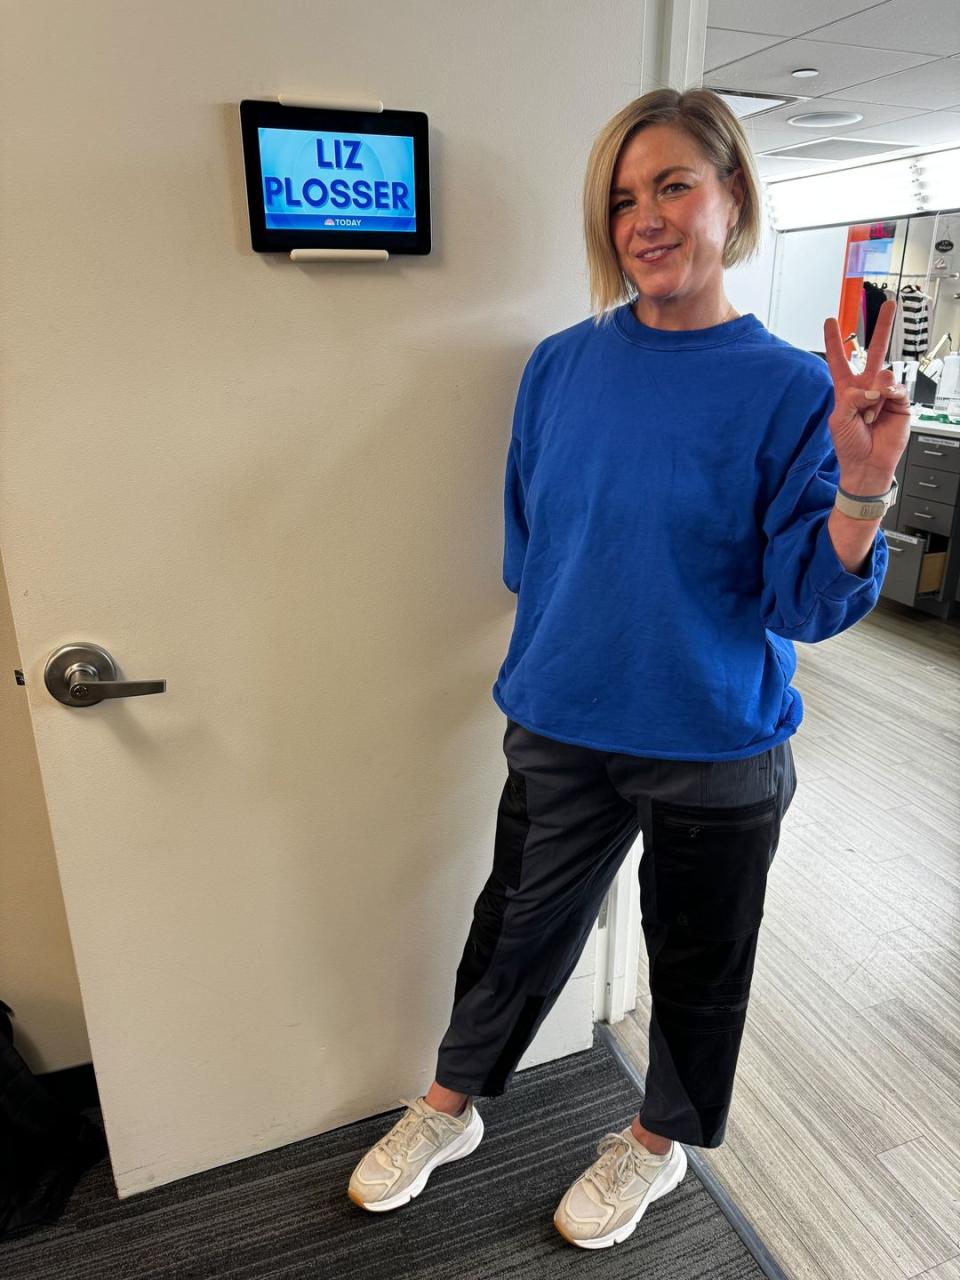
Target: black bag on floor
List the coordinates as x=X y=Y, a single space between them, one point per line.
x=45 y=1148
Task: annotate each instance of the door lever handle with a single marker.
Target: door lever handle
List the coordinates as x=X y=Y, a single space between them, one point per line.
x=82 y=681
x=81 y=675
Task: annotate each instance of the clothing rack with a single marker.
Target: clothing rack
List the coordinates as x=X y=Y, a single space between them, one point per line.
x=917 y=275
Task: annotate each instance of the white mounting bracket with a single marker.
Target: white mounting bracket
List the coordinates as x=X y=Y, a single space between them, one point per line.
x=336 y=104
x=339 y=255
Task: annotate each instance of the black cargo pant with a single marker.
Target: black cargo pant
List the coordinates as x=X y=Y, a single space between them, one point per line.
x=567 y=817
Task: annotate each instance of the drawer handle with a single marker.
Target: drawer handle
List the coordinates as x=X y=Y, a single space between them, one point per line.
x=934 y=453
x=923 y=515
x=927 y=484
x=898 y=550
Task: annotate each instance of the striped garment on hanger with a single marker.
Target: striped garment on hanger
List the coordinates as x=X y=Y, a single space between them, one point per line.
x=915 y=308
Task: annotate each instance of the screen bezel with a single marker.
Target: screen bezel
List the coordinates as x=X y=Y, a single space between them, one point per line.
x=255 y=114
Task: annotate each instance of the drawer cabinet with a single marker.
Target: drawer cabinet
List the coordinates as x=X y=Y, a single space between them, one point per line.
x=935 y=486
x=920 y=528
x=910 y=567
x=917 y=513
x=927 y=498
x=939 y=452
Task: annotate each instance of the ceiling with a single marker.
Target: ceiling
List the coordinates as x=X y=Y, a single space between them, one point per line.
x=897 y=63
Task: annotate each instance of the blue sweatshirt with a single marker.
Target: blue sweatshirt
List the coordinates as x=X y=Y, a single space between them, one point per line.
x=666 y=504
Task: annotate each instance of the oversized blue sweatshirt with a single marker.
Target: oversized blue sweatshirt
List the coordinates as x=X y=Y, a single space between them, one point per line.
x=666 y=504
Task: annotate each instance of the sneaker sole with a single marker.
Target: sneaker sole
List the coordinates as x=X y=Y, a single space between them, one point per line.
x=627 y=1229
x=468 y=1141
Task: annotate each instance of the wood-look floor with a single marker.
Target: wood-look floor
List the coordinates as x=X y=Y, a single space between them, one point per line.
x=843 y=1143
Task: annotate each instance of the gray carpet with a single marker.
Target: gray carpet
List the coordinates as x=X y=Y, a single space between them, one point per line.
x=286 y=1212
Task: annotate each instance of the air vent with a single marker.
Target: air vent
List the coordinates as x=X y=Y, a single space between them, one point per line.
x=749 y=105
x=836 y=149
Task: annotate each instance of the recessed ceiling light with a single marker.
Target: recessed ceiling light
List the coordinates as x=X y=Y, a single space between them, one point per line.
x=824 y=119
x=802 y=72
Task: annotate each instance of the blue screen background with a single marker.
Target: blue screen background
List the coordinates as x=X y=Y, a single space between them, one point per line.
x=367 y=183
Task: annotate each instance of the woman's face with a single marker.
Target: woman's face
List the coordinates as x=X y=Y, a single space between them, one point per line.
x=688 y=207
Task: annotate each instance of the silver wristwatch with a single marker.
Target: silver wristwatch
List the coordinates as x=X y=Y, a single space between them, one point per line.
x=872 y=507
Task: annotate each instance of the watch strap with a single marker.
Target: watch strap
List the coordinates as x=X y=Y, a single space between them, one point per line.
x=866 y=507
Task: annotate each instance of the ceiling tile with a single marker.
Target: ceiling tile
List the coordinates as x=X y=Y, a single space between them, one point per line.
x=780 y=17
x=933 y=128
x=872 y=114
x=772 y=167
x=849 y=150
x=840 y=66
x=727 y=46
x=933 y=27
x=936 y=85
x=762 y=139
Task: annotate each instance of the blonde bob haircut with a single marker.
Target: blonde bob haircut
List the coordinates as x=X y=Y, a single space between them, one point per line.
x=710 y=123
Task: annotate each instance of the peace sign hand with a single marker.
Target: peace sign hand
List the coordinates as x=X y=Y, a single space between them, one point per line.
x=870 y=423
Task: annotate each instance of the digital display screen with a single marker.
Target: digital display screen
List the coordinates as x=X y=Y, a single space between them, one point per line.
x=331 y=177
x=339 y=182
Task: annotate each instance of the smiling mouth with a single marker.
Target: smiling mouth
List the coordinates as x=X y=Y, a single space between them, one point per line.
x=655 y=255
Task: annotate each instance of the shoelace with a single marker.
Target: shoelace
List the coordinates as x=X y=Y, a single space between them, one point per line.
x=406 y=1128
x=617 y=1163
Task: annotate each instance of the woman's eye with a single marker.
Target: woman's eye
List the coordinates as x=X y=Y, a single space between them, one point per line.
x=684 y=185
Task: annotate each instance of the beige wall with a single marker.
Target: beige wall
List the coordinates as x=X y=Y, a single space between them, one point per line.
x=37 y=974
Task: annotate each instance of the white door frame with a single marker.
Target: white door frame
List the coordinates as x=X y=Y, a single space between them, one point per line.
x=618 y=942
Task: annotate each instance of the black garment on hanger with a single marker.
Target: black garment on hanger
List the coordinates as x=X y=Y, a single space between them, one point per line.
x=875 y=298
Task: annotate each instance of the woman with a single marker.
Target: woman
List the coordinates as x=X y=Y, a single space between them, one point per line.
x=670 y=530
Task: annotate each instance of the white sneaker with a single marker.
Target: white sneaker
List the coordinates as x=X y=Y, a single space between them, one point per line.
x=605 y=1204
x=396 y=1168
